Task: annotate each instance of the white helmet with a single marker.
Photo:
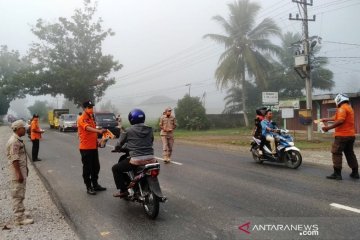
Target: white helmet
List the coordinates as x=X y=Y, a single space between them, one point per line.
x=340 y=98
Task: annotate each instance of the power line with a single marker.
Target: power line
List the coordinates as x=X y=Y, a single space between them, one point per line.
x=339 y=8
x=167 y=71
x=343 y=43
x=189 y=53
x=181 y=54
x=148 y=68
x=342 y=57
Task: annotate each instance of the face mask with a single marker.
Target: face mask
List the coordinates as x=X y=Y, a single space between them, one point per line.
x=89 y=110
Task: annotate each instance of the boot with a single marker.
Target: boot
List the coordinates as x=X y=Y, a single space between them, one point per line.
x=336 y=175
x=98 y=187
x=355 y=173
x=166 y=159
x=90 y=190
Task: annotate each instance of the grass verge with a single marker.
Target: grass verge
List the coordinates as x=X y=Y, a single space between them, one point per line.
x=242 y=137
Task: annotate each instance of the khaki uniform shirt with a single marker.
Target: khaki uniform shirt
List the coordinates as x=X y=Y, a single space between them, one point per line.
x=15 y=151
x=167 y=123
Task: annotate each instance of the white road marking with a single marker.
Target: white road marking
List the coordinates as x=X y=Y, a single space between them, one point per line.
x=345 y=207
x=177 y=163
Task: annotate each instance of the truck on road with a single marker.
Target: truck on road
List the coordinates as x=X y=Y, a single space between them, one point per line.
x=54 y=115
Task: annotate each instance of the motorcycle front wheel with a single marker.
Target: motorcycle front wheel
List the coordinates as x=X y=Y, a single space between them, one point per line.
x=293 y=159
x=151 y=204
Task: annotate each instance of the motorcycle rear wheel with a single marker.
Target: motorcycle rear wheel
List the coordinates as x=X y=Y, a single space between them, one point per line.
x=293 y=159
x=151 y=204
x=255 y=155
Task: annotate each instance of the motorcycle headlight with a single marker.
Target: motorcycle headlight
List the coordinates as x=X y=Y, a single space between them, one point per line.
x=291 y=144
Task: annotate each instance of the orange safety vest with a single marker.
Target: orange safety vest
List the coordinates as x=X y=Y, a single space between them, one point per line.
x=346 y=113
x=35 y=129
x=87 y=140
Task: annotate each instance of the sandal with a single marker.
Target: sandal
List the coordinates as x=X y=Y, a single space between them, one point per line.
x=120 y=194
x=132 y=184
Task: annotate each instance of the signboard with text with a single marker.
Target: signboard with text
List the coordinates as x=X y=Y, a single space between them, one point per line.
x=295 y=104
x=287 y=113
x=270 y=98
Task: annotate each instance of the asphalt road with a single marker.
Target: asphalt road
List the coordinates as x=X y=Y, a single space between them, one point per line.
x=211 y=193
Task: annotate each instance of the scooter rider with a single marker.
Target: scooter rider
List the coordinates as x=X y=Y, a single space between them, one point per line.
x=138 y=140
x=267 y=130
x=257 y=131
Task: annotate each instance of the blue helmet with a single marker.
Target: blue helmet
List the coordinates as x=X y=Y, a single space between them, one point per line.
x=136 y=116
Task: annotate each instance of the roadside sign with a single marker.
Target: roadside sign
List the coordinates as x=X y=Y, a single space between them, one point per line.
x=295 y=104
x=270 y=98
x=287 y=113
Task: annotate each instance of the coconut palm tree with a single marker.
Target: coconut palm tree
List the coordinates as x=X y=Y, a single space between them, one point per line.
x=246 y=45
x=233 y=98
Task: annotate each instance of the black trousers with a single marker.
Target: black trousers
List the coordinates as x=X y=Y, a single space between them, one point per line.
x=91 y=166
x=119 y=176
x=35 y=149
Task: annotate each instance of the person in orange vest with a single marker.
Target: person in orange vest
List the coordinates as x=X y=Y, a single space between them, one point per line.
x=35 y=135
x=88 y=146
x=344 y=125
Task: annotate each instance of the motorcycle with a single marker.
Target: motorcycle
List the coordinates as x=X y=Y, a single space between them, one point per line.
x=143 y=186
x=286 y=152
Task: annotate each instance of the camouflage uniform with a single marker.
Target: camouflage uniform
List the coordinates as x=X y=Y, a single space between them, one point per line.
x=167 y=136
x=15 y=151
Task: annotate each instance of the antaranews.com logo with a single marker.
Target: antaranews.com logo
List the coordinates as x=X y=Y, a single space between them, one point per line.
x=302 y=229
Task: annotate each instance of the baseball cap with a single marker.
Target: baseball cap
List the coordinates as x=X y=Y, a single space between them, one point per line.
x=168 y=109
x=88 y=103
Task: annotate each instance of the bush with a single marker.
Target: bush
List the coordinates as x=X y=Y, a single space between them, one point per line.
x=190 y=114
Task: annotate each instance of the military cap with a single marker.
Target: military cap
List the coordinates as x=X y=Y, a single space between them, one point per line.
x=17 y=124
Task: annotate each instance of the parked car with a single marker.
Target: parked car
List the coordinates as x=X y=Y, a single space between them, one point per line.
x=107 y=121
x=67 y=122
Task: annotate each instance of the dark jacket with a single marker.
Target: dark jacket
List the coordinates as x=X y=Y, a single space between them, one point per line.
x=138 y=139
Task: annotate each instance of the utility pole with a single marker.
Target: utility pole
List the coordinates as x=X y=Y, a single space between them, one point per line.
x=203 y=99
x=188 y=85
x=306 y=67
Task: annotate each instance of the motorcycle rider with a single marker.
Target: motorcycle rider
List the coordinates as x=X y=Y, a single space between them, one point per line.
x=138 y=140
x=257 y=131
x=268 y=128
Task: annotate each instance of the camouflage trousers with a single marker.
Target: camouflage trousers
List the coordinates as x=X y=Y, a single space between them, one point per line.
x=168 y=142
x=18 y=196
x=346 y=145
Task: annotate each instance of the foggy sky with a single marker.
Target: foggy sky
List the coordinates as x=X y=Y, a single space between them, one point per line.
x=150 y=31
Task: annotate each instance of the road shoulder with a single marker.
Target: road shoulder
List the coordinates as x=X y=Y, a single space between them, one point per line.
x=49 y=223
x=309 y=156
